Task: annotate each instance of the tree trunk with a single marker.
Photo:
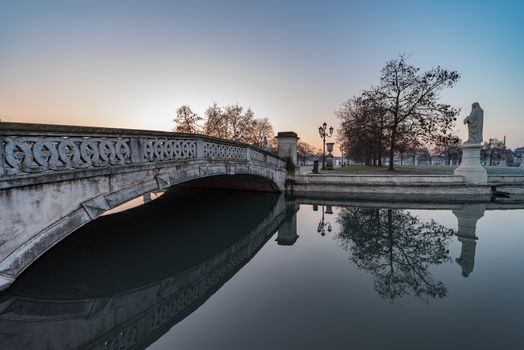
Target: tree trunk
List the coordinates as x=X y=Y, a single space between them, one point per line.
x=379 y=153
x=392 y=147
x=380 y=142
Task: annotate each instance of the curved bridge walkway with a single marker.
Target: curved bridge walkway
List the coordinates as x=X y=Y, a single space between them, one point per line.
x=54 y=179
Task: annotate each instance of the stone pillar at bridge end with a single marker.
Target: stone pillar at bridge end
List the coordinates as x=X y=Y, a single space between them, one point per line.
x=287 y=149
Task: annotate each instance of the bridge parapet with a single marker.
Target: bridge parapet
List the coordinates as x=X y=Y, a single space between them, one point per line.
x=33 y=148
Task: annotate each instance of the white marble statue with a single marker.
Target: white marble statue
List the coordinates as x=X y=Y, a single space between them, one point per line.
x=475 y=121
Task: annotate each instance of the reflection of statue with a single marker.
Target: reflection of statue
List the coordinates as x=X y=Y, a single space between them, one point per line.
x=467 y=255
x=467 y=218
x=475 y=121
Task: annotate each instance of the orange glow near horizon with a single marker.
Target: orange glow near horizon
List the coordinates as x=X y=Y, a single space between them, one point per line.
x=108 y=65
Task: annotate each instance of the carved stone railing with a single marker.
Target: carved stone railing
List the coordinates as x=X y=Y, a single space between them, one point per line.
x=35 y=148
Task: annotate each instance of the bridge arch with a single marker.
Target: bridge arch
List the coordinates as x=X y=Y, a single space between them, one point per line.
x=55 y=179
x=104 y=310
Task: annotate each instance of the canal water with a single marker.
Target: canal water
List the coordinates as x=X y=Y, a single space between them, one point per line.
x=210 y=269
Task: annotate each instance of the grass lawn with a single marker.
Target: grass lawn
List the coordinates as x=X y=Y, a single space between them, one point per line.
x=417 y=169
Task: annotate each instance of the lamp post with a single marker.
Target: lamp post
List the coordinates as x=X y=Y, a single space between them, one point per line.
x=323 y=132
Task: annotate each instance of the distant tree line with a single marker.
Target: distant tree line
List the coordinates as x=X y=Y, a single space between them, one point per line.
x=401 y=115
x=230 y=122
x=494 y=151
x=306 y=151
x=233 y=122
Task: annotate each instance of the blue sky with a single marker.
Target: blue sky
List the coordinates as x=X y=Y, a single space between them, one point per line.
x=132 y=63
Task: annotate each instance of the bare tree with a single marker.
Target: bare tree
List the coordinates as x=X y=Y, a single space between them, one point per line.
x=304 y=151
x=495 y=150
x=410 y=99
x=449 y=147
x=230 y=122
x=236 y=121
x=363 y=129
x=259 y=132
x=216 y=123
x=186 y=120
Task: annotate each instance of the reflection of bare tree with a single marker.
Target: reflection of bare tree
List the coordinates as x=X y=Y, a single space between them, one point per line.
x=397 y=248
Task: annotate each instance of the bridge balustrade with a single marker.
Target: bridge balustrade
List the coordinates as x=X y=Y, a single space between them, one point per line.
x=34 y=148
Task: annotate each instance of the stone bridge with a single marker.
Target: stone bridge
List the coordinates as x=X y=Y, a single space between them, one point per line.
x=55 y=179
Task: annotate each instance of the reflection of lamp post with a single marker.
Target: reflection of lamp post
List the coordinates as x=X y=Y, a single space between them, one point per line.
x=322 y=225
x=323 y=132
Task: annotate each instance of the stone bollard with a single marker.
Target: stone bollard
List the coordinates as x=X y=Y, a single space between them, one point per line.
x=467 y=226
x=287 y=149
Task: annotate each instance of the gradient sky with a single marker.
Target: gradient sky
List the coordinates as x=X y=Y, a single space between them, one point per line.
x=133 y=63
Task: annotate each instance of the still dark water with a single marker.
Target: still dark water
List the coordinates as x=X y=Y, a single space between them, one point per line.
x=238 y=270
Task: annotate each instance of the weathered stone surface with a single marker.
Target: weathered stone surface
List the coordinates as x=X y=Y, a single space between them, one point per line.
x=96 y=207
x=163 y=181
x=287 y=146
x=386 y=187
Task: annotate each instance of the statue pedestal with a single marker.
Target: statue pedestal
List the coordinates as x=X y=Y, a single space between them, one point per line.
x=470 y=167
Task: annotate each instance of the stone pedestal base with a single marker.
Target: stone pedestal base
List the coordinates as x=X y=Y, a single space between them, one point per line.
x=470 y=168
x=329 y=163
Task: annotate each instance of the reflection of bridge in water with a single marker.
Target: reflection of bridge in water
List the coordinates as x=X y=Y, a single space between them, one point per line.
x=111 y=292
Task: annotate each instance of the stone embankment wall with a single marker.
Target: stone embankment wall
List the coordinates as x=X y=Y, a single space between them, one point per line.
x=420 y=188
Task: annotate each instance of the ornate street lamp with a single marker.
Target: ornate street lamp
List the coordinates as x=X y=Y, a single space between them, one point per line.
x=323 y=132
